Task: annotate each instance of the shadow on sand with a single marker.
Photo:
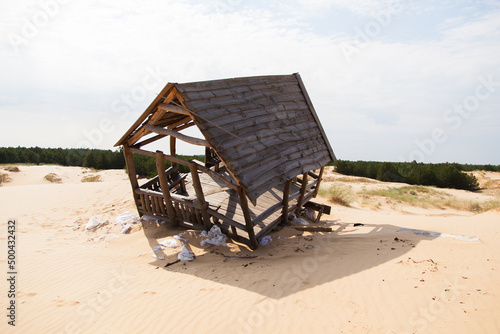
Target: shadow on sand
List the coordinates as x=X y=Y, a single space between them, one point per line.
x=293 y=261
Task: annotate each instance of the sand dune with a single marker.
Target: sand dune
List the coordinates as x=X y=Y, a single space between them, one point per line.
x=370 y=278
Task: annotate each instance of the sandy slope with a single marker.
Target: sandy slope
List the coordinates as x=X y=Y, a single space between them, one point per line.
x=354 y=280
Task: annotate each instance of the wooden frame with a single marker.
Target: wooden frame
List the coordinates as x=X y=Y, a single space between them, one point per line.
x=276 y=136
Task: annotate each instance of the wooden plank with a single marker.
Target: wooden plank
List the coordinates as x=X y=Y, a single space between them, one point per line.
x=267 y=125
x=320 y=177
x=267 y=213
x=174 y=109
x=172 y=146
x=154 y=117
x=198 y=94
x=168 y=157
x=162 y=177
x=217 y=176
x=255 y=179
x=129 y=161
x=199 y=195
x=248 y=219
x=286 y=196
x=187 y=139
x=204 y=107
x=275 y=156
x=233 y=82
x=278 y=169
x=313 y=112
x=225 y=116
x=168 y=88
x=302 y=190
x=227 y=219
x=265 y=141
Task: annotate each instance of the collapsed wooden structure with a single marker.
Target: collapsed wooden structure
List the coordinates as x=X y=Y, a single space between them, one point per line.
x=263 y=140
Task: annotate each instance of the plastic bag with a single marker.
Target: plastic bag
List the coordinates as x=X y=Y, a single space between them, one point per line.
x=298 y=220
x=170 y=243
x=265 y=241
x=93 y=224
x=185 y=254
x=214 y=237
x=127 y=218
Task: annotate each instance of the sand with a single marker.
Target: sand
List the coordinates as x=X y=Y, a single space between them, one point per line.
x=370 y=278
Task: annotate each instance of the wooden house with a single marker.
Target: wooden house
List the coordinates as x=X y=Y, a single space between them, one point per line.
x=262 y=140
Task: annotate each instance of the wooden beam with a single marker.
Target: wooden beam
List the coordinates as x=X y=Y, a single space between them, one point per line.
x=152 y=154
x=167 y=90
x=217 y=176
x=174 y=109
x=248 y=218
x=129 y=161
x=162 y=176
x=315 y=116
x=187 y=139
x=172 y=147
x=286 y=195
x=302 y=190
x=199 y=195
x=148 y=141
x=320 y=177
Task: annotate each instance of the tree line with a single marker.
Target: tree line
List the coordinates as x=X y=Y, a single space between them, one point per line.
x=91 y=158
x=443 y=175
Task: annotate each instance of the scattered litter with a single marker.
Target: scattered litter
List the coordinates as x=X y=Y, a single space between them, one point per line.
x=182 y=236
x=309 y=213
x=437 y=234
x=185 y=254
x=170 y=243
x=298 y=220
x=127 y=218
x=309 y=246
x=93 y=224
x=152 y=219
x=126 y=229
x=214 y=237
x=265 y=241
x=159 y=257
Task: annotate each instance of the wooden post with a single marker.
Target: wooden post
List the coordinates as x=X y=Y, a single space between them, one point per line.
x=162 y=177
x=320 y=177
x=199 y=195
x=129 y=161
x=248 y=218
x=286 y=194
x=172 y=148
x=302 y=191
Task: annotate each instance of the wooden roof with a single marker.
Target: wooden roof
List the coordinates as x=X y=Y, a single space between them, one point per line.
x=264 y=129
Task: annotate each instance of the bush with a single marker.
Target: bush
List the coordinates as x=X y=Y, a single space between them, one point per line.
x=439 y=175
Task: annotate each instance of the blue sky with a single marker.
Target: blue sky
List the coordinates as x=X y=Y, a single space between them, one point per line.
x=390 y=80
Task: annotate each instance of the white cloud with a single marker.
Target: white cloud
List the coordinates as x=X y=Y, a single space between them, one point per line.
x=93 y=56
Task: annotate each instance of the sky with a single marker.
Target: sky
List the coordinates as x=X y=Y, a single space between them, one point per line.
x=397 y=80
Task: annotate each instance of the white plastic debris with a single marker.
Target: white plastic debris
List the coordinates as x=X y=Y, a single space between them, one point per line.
x=170 y=243
x=264 y=241
x=127 y=218
x=159 y=257
x=310 y=213
x=185 y=254
x=126 y=229
x=298 y=220
x=93 y=224
x=214 y=237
